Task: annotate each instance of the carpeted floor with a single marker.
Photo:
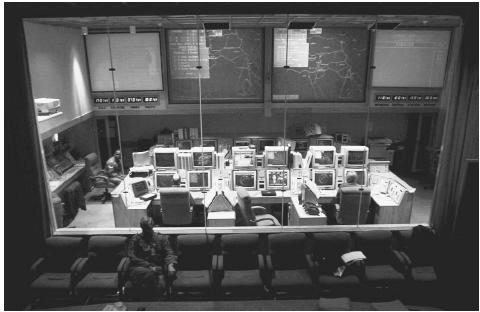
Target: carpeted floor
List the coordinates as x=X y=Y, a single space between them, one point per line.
x=97 y=215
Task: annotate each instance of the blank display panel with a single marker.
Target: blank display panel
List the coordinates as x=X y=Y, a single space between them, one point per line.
x=410 y=58
x=135 y=57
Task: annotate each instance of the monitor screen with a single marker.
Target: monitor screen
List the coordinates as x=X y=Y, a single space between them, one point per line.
x=198 y=179
x=164 y=179
x=165 y=160
x=246 y=179
x=356 y=158
x=139 y=188
x=277 y=179
x=323 y=157
x=244 y=158
x=276 y=158
x=204 y=159
x=324 y=178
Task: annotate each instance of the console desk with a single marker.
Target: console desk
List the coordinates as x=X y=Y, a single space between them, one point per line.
x=72 y=174
x=128 y=210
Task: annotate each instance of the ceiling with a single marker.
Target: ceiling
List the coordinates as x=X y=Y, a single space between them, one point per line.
x=252 y=20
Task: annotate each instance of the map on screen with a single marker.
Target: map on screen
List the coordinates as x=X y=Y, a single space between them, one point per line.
x=325 y=64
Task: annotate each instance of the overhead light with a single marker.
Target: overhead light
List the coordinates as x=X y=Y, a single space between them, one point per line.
x=84 y=30
x=301 y=25
x=385 y=26
x=133 y=29
x=216 y=25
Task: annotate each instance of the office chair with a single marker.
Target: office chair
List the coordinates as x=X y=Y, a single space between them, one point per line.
x=97 y=178
x=194 y=264
x=246 y=215
x=324 y=258
x=53 y=274
x=350 y=197
x=286 y=261
x=384 y=265
x=104 y=271
x=176 y=206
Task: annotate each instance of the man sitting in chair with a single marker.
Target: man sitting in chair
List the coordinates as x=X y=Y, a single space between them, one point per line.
x=151 y=256
x=114 y=168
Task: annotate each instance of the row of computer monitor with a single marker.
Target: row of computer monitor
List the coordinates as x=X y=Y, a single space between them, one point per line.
x=263 y=179
x=273 y=157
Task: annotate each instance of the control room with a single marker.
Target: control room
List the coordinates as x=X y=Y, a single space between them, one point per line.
x=270 y=122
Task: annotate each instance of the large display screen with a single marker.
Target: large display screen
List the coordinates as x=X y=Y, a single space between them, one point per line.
x=135 y=57
x=231 y=60
x=325 y=64
x=410 y=58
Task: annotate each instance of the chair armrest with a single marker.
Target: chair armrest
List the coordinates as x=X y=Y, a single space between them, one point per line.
x=406 y=258
x=398 y=262
x=218 y=272
x=259 y=210
x=36 y=268
x=268 y=262
x=80 y=268
x=123 y=266
x=312 y=264
x=261 y=262
x=220 y=262
x=214 y=262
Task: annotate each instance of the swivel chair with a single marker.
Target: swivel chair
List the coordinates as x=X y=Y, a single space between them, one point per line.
x=350 y=197
x=176 y=206
x=97 y=178
x=246 y=215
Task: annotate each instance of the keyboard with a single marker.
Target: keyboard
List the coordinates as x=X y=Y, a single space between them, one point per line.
x=63 y=166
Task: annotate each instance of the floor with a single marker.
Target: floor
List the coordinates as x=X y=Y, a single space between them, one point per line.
x=100 y=215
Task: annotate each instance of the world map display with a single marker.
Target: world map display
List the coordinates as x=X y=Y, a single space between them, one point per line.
x=231 y=60
x=325 y=65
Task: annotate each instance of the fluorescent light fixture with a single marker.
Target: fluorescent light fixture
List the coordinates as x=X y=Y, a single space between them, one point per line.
x=216 y=25
x=301 y=25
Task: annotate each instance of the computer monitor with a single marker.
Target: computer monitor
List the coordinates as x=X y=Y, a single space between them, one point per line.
x=278 y=179
x=354 y=156
x=324 y=179
x=323 y=156
x=165 y=157
x=324 y=142
x=362 y=176
x=243 y=157
x=184 y=144
x=276 y=156
x=164 y=178
x=141 y=159
x=265 y=142
x=198 y=180
x=203 y=157
x=245 y=178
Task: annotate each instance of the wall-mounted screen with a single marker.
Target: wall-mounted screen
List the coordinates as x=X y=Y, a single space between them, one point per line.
x=231 y=60
x=410 y=58
x=135 y=57
x=326 y=64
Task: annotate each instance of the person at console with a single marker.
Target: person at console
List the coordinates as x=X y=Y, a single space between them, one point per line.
x=350 y=180
x=329 y=209
x=150 y=253
x=114 y=168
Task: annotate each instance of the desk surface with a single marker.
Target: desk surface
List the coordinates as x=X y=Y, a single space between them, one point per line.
x=66 y=178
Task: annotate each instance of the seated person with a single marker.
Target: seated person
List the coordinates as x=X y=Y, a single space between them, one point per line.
x=114 y=168
x=329 y=209
x=149 y=252
x=176 y=180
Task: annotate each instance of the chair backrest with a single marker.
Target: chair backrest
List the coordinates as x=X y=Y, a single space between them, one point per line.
x=376 y=245
x=287 y=250
x=350 y=197
x=420 y=244
x=106 y=252
x=176 y=206
x=240 y=251
x=243 y=209
x=194 y=251
x=92 y=164
x=62 y=251
x=327 y=248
